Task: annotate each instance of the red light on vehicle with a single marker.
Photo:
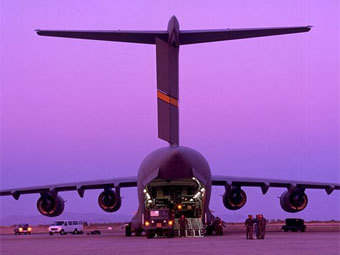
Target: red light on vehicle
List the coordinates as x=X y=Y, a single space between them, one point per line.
x=147 y=223
x=179 y=207
x=170 y=222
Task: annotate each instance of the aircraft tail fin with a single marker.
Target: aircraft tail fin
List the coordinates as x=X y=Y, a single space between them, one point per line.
x=167 y=92
x=167 y=49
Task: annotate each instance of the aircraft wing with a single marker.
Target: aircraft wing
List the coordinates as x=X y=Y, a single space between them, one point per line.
x=203 y=36
x=265 y=184
x=80 y=187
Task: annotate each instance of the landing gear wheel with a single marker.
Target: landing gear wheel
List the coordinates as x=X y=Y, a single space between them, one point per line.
x=171 y=234
x=208 y=230
x=149 y=234
x=128 y=231
x=138 y=232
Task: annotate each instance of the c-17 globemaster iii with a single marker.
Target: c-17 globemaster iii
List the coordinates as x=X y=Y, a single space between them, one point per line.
x=175 y=179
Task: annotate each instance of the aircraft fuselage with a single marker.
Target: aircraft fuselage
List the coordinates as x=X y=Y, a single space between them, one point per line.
x=177 y=166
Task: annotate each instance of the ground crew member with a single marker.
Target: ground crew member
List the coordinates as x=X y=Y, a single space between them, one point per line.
x=183 y=223
x=262 y=226
x=218 y=226
x=256 y=224
x=249 y=227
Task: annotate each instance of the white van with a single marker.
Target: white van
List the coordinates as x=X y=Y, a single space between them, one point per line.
x=63 y=227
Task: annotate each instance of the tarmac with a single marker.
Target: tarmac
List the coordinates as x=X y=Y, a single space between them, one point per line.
x=115 y=243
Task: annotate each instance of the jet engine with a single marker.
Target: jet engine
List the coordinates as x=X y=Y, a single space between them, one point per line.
x=234 y=198
x=50 y=205
x=109 y=200
x=294 y=200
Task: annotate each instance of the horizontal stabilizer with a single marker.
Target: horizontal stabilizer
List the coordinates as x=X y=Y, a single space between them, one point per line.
x=146 y=37
x=185 y=36
x=203 y=36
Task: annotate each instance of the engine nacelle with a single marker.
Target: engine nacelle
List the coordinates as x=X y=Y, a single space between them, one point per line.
x=234 y=198
x=109 y=200
x=50 y=205
x=294 y=200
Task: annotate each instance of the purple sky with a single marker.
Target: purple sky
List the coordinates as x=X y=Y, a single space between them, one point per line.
x=75 y=110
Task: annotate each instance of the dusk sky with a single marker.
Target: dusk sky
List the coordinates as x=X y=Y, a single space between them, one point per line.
x=74 y=110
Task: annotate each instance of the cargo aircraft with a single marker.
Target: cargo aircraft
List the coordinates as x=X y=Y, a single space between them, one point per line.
x=174 y=177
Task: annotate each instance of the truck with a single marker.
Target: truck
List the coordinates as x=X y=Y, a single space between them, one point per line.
x=22 y=229
x=159 y=222
x=294 y=225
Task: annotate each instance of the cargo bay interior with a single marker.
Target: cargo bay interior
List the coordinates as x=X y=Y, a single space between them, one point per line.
x=182 y=197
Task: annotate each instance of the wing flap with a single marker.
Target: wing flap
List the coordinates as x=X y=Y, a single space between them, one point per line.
x=203 y=36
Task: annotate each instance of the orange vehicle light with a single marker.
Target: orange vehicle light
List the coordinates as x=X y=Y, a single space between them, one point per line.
x=20 y=229
x=179 y=207
x=29 y=229
x=170 y=222
x=147 y=223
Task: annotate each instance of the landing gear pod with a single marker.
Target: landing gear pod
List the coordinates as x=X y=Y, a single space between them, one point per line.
x=109 y=200
x=50 y=205
x=234 y=198
x=294 y=200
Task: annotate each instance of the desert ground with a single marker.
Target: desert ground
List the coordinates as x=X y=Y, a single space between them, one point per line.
x=320 y=238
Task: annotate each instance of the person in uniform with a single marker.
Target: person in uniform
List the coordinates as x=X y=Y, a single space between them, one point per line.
x=183 y=223
x=249 y=227
x=262 y=226
x=256 y=226
x=218 y=226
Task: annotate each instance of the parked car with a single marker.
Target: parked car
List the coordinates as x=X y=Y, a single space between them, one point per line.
x=294 y=225
x=94 y=232
x=63 y=227
x=22 y=229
